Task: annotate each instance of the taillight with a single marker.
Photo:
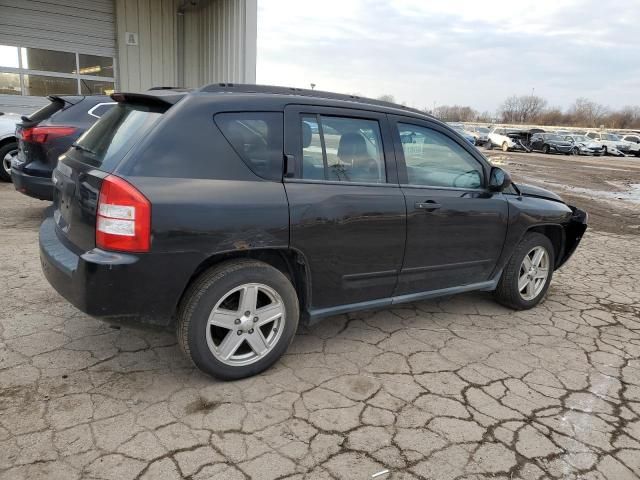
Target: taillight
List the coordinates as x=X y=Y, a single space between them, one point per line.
x=124 y=217
x=42 y=134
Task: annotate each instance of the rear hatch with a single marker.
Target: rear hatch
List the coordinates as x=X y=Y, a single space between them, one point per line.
x=82 y=170
x=41 y=139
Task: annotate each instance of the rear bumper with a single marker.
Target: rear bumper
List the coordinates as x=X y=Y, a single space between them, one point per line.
x=115 y=286
x=31 y=185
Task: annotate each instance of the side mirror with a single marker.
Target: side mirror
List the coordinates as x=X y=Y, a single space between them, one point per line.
x=499 y=180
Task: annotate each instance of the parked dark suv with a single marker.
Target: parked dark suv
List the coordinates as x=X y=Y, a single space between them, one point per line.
x=47 y=133
x=233 y=212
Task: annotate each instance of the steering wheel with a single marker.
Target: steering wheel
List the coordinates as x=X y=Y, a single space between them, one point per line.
x=463 y=175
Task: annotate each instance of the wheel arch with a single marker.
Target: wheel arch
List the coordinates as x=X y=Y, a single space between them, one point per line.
x=556 y=234
x=288 y=261
x=6 y=140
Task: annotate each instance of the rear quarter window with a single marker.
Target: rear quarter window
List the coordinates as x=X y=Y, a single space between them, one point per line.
x=111 y=137
x=257 y=138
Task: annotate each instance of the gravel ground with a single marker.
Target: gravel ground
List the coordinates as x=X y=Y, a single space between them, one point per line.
x=456 y=388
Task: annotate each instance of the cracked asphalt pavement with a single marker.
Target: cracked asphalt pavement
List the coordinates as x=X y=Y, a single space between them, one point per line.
x=454 y=388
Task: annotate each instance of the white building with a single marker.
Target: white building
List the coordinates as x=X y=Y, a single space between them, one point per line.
x=98 y=46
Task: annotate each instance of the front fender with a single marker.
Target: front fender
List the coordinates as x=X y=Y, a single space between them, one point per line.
x=574 y=230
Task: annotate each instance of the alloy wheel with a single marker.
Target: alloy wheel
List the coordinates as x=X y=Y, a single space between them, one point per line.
x=245 y=324
x=534 y=271
x=6 y=161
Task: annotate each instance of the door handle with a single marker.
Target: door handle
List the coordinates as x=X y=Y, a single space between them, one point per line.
x=429 y=205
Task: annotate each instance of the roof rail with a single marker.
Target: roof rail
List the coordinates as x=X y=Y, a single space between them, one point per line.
x=303 y=92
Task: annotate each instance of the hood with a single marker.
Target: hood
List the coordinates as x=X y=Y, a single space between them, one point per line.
x=560 y=143
x=531 y=191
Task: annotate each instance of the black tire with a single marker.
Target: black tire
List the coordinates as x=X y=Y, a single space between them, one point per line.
x=488 y=145
x=507 y=292
x=203 y=295
x=5 y=149
x=545 y=149
x=604 y=151
x=575 y=151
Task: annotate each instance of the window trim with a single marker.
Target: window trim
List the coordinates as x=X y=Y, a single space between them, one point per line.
x=45 y=73
x=402 y=166
x=293 y=140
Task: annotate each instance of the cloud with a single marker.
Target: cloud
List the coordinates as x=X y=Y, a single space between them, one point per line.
x=454 y=51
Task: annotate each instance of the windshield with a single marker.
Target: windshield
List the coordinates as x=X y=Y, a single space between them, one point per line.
x=553 y=137
x=482 y=130
x=580 y=138
x=111 y=137
x=610 y=136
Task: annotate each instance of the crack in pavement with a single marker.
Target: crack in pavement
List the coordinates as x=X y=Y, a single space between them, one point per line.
x=448 y=389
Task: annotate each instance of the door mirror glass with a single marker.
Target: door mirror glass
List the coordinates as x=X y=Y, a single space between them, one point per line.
x=499 y=180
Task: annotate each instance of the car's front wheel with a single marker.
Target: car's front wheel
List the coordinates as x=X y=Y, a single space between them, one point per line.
x=7 y=153
x=237 y=319
x=575 y=151
x=526 y=277
x=505 y=147
x=546 y=149
x=604 y=151
x=488 y=145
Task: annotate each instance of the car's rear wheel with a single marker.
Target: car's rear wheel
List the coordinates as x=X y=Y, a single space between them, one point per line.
x=237 y=319
x=545 y=149
x=527 y=275
x=7 y=153
x=505 y=147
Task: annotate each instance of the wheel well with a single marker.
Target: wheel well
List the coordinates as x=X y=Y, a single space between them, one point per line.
x=7 y=140
x=555 y=233
x=291 y=263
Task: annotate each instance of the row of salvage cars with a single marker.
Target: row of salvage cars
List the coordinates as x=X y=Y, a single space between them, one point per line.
x=563 y=141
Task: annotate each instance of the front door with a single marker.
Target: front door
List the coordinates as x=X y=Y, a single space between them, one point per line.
x=347 y=212
x=455 y=227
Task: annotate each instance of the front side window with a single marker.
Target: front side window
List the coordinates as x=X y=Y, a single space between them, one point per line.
x=342 y=149
x=257 y=137
x=435 y=160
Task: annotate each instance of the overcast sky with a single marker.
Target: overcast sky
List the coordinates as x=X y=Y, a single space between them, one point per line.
x=468 y=52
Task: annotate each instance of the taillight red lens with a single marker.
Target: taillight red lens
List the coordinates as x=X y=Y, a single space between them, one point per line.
x=123 y=222
x=42 y=134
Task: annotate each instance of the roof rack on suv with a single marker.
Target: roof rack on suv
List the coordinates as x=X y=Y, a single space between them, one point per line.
x=305 y=92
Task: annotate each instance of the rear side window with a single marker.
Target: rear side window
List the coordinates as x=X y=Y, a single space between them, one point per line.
x=111 y=137
x=342 y=149
x=257 y=137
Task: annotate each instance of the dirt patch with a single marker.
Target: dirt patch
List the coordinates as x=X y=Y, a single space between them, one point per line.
x=608 y=188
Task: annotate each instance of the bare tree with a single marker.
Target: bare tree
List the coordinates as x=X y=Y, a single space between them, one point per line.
x=521 y=109
x=387 y=98
x=455 y=113
x=587 y=113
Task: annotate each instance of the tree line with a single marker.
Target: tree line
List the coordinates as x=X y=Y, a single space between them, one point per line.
x=533 y=109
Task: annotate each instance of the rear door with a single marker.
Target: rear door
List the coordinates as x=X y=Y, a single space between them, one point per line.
x=455 y=227
x=347 y=212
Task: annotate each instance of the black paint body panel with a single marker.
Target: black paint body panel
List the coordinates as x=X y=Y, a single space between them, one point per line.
x=350 y=246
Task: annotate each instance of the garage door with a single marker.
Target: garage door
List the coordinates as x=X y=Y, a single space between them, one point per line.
x=54 y=47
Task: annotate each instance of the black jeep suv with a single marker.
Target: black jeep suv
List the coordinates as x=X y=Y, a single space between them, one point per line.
x=234 y=212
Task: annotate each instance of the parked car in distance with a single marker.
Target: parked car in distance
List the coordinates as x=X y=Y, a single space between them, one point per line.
x=633 y=143
x=498 y=138
x=8 y=143
x=480 y=134
x=611 y=144
x=583 y=145
x=458 y=127
x=226 y=214
x=550 y=143
x=47 y=133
